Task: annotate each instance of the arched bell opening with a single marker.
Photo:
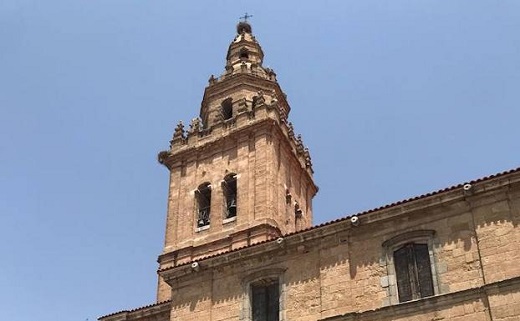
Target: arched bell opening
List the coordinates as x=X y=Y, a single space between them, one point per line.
x=229 y=188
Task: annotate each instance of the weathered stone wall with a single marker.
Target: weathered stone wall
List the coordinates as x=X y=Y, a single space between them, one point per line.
x=193 y=299
x=504 y=300
x=497 y=216
x=467 y=306
x=342 y=270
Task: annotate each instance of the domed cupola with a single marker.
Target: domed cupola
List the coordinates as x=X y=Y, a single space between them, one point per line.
x=244 y=50
x=242 y=82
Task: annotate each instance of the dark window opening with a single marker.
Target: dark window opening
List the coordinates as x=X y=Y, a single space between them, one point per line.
x=265 y=300
x=244 y=54
x=413 y=272
x=288 y=197
x=255 y=101
x=203 y=197
x=230 y=195
x=298 y=213
x=227 y=109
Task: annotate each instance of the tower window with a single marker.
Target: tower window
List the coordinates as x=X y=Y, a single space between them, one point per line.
x=298 y=213
x=203 y=199
x=229 y=187
x=265 y=300
x=244 y=54
x=227 y=109
x=413 y=272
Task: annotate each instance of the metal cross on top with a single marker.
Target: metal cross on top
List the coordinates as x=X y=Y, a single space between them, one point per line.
x=245 y=17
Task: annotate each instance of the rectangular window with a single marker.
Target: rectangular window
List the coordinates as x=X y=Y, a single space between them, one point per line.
x=413 y=272
x=265 y=301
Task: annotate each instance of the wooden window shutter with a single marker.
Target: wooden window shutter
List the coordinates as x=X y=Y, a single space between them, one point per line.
x=259 y=303
x=266 y=301
x=404 y=284
x=423 y=270
x=273 y=302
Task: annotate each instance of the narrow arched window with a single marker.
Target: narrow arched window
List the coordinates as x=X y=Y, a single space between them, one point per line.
x=203 y=199
x=227 y=109
x=229 y=188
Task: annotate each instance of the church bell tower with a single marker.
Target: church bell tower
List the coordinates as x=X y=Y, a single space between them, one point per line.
x=238 y=174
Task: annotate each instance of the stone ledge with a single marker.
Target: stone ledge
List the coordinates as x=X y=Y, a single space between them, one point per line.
x=202 y=228
x=433 y=302
x=229 y=220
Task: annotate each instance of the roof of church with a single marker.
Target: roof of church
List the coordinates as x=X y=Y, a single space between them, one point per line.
x=137 y=309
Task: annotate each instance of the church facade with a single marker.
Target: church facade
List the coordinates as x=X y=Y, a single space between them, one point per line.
x=240 y=244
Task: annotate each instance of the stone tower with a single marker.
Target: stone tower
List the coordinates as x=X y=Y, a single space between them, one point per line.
x=238 y=174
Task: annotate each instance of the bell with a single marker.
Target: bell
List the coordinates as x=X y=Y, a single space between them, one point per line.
x=232 y=208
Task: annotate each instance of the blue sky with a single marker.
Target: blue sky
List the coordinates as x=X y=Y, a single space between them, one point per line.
x=393 y=98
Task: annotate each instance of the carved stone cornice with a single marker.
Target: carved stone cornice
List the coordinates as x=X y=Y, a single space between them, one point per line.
x=175 y=156
x=221 y=241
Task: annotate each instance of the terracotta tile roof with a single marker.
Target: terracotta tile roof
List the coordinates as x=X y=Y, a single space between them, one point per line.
x=136 y=309
x=358 y=214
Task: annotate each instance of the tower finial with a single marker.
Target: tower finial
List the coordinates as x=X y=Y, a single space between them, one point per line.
x=245 y=17
x=243 y=25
